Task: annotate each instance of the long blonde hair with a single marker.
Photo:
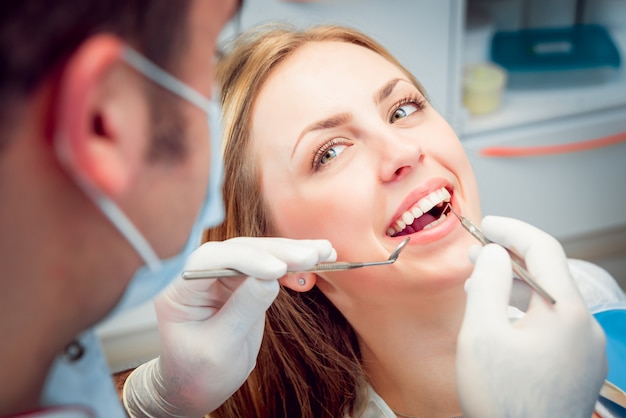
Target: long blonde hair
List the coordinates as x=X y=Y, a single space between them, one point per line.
x=309 y=362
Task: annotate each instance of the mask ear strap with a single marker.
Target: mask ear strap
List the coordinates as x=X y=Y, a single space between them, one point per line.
x=117 y=218
x=163 y=78
x=126 y=228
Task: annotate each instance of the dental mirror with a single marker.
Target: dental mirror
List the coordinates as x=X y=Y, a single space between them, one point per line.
x=336 y=266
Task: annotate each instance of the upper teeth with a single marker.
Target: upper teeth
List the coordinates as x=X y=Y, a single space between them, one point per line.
x=425 y=204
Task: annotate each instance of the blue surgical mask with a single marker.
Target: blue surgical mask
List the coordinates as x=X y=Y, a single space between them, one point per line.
x=156 y=274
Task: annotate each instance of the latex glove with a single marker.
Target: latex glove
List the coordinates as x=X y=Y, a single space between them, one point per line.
x=211 y=330
x=550 y=363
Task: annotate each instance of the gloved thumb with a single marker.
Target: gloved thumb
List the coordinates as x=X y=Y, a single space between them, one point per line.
x=489 y=288
x=246 y=305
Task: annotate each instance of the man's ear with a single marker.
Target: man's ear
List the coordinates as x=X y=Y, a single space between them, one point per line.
x=300 y=282
x=98 y=113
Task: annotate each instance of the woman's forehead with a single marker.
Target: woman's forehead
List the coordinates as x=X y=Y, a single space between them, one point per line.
x=333 y=57
x=322 y=71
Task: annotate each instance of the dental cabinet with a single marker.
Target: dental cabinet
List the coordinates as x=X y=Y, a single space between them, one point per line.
x=552 y=156
x=554 y=153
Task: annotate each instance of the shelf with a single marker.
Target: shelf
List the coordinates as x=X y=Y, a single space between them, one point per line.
x=520 y=107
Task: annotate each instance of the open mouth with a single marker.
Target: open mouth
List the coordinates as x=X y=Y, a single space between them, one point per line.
x=427 y=213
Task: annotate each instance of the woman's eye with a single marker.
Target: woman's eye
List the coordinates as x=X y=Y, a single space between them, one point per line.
x=327 y=153
x=404 y=111
x=332 y=153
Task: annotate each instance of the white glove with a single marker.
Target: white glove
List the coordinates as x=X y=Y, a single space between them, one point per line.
x=551 y=362
x=211 y=330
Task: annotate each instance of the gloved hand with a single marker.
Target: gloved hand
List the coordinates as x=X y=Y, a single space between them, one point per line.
x=551 y=362
x=211 y=330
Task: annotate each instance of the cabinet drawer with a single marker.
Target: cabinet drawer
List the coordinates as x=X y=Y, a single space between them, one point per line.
x=574 y=185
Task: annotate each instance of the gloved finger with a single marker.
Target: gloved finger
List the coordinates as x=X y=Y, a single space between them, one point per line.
x=489 y=289
x=265 y=258
x=298 y=254
x=543 y=254
x=194 y=300
x=252 y=261
x=210 y=293
x=245 y=307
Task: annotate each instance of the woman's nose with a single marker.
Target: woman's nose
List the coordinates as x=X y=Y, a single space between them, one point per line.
x=399 y=155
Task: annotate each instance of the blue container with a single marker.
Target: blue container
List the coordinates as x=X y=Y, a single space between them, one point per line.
x=612 y=319
x=556 y=57
x=613 y=322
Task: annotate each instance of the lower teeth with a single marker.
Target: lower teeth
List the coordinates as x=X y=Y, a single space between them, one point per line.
x=435 y=223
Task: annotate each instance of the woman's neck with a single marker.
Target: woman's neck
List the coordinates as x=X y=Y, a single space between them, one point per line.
x=409 y=352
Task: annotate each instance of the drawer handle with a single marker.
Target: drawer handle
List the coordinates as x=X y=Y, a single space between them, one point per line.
x=532 y=151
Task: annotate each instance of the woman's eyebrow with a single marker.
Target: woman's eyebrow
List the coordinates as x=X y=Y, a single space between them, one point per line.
x=386 y=90
x=327 y=123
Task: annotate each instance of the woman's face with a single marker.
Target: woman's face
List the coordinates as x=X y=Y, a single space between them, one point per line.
x=347 y=147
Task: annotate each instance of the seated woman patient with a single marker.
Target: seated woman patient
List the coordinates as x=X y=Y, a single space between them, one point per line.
x=328 y=136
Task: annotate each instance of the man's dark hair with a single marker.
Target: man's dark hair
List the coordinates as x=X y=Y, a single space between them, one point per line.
x=37 y=36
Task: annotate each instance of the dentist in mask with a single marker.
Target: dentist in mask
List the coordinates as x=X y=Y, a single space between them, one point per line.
x=109 y=172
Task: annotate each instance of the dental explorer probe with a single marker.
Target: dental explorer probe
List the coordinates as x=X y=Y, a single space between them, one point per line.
x=334 y=266
x=517 y=262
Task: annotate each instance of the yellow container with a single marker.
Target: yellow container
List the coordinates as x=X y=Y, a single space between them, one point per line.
x=483 y=85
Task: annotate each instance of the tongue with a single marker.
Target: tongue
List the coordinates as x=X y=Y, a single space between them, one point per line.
x=422 y=221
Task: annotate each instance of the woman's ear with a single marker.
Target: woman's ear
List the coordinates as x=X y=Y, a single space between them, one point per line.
x=96 y=107
x=300 y=282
